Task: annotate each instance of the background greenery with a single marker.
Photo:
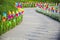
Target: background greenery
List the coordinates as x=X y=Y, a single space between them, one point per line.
x=6 y=5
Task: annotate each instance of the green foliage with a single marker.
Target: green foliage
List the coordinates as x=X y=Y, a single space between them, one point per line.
x=55 y=1
x=1 y=1
x=7 y=5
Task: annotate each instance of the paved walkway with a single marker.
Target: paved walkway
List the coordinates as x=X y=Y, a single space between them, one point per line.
x=35 y=26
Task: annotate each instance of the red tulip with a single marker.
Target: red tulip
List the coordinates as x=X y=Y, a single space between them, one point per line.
x=17 y=15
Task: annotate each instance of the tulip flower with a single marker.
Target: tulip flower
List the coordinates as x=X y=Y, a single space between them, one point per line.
x=16 y=4
x=16 y=13
x=3 y=19
x=4 y=14
x=9 y=12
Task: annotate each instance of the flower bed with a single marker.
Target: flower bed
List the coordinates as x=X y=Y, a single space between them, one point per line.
x=53 y=15
x=10 y=17
x=46 y=9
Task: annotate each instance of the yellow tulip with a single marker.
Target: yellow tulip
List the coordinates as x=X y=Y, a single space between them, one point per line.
x=9 y=12
x=13 y=12
x=19 y=10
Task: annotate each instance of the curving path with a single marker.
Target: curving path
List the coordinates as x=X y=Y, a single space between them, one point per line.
x=35 y=26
